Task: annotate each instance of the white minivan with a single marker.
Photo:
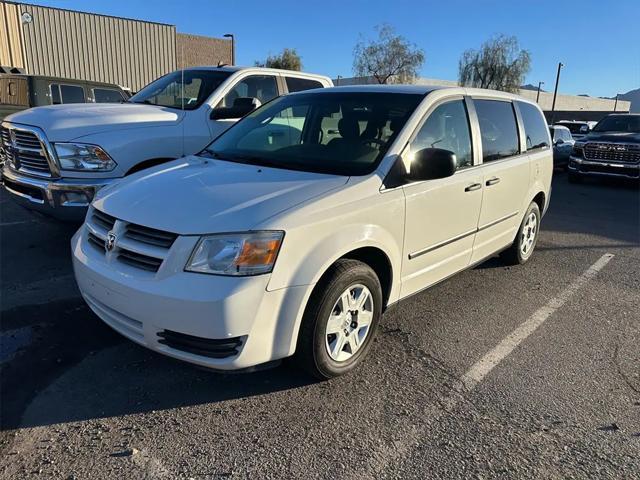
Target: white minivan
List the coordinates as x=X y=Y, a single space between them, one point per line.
x=56 y=157
x=298 y=227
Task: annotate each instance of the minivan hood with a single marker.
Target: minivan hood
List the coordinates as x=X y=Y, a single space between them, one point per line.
x=62 y=123
x=196 y=195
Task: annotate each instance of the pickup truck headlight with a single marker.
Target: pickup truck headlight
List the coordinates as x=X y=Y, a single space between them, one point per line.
x=578 y=149
x=236 y=254
x=83 y=157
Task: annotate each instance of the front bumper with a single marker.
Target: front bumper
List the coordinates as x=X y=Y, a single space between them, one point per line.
x=66 y=199
x=604 y=169
x=206 y=308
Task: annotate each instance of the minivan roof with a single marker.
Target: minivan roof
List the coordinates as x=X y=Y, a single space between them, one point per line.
x=423 y=90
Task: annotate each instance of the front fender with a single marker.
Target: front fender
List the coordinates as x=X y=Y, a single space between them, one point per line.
x=129 y=147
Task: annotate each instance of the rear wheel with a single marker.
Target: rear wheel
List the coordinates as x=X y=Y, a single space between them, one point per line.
x=340 y=320
x=526 y=239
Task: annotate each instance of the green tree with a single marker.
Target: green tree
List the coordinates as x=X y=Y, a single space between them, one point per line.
x=390 y=58
x=500 y=64
x=287 y=60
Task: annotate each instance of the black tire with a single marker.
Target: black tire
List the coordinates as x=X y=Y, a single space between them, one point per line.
x=514 y=254
x=311 y=353
x=574 y=177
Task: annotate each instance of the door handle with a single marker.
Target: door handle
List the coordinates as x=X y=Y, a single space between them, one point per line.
x=493 y=181
x=473 y=186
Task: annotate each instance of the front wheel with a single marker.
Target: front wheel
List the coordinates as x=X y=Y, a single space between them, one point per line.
x=340 y=320
x=526 y=239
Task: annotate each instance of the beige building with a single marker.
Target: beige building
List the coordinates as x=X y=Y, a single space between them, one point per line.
x=69 y=44
x=568 y=107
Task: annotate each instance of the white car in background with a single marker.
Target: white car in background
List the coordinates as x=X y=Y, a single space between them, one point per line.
x=58 y=156
x=578 y=128
x=294 y=230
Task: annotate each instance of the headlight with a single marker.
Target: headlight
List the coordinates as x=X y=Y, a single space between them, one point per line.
x=237 y=254
x=83 y=157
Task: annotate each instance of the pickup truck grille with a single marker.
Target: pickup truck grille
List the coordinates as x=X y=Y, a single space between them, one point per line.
x=25 y=150
x=612 y=152
x=134 y=245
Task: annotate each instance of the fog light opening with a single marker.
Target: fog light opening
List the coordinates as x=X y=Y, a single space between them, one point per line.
x=75 y=199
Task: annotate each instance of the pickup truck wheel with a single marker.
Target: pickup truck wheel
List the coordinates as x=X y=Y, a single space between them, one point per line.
x=340 y=320
x=526 y=238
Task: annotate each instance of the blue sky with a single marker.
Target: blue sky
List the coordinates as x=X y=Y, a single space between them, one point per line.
x=598 y=41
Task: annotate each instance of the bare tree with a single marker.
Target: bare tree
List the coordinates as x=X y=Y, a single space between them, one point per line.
x=500 y=64
x=390 y=58
x=287 y=60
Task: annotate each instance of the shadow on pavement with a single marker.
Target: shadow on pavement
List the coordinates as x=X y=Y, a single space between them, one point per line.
x=77 y=368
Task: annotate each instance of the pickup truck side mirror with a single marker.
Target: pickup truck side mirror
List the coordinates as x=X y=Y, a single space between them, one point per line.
x=559 y=141
x=432 y=163
x=241 y=107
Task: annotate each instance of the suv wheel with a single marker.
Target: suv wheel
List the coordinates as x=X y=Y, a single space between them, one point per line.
x=340 y=320
x=526 y=239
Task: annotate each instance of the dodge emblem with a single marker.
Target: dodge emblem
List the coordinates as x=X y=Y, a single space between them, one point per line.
x=110 y=242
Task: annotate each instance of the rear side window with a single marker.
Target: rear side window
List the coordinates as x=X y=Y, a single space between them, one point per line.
x=55 y=94
x=498 y=129
x=106 y=95
x=299 y=84
x=66 y=94
x=535 y=126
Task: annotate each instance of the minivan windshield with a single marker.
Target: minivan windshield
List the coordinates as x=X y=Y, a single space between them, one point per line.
x=182 y=90
x=619 y=123
x=325 y=132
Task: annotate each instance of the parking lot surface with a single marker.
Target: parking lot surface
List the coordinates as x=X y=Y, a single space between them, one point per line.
x=499 y=372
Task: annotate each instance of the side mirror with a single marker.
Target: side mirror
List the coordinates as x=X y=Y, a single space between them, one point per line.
x=241 y=106
x=559 y=141
x=584 y=129
x=432 y=163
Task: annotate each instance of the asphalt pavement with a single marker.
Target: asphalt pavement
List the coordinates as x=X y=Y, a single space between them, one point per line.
x=499 y=372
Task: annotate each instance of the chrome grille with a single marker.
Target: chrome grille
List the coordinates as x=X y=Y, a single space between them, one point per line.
x=612 y=152
x=136 y=246
x=24 y=150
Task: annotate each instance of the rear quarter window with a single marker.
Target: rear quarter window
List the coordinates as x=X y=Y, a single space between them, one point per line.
x=535 y=126
x=299 y=84
x=498 y=129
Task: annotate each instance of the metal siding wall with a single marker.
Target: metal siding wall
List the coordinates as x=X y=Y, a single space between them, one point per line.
x=11 y=37
x=83 y=46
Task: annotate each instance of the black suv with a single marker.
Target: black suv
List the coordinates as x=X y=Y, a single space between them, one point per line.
x=611 y=149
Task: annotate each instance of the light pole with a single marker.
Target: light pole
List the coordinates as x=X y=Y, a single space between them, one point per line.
x=338 y=80
x=615 y=105
x=555 y=93
x=233 y=47
x=538 y=96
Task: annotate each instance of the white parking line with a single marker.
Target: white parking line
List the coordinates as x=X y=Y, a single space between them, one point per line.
x=487 y=363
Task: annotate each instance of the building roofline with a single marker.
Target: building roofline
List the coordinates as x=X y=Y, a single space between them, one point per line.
x=90 y=13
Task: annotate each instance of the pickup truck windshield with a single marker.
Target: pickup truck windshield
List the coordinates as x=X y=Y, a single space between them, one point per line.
x=170 y=91
x=619 y=123
x=326 y=132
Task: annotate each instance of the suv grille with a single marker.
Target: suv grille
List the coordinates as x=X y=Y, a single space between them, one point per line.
x=135 y=245
x=613 y=152
x=24 y=151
